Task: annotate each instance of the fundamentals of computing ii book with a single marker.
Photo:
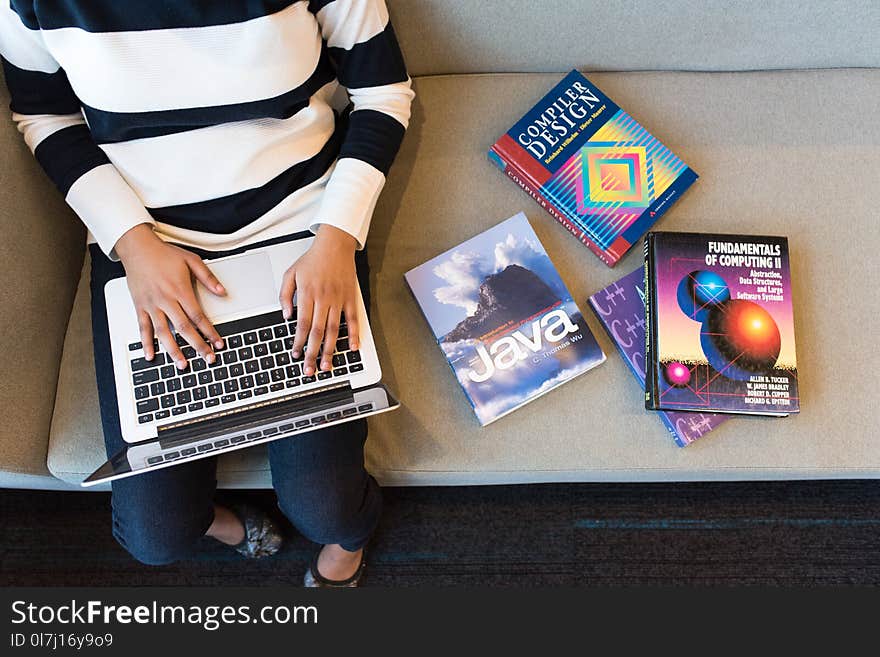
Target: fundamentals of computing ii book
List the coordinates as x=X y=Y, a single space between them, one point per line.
x=592 y=166
x=621 y=309
x=504 y=319
x=720 y=325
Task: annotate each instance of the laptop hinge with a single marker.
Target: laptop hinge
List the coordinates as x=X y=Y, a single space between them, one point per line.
x=254 y=415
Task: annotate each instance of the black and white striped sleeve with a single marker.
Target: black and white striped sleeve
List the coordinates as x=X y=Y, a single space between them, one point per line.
x=369 y=64
x=49 y=115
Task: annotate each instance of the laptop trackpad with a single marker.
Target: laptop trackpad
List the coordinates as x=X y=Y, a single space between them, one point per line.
x=249 y=283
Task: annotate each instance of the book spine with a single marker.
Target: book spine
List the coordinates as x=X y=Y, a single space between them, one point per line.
x=651 y=400
x=516 y=175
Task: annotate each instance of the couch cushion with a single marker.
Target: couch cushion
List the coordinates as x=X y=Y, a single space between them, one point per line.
x=794 y=153
x=781 y=152
x=41 y=254
x=490 y=36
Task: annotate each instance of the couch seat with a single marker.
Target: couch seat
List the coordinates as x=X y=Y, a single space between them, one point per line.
x=781 y=152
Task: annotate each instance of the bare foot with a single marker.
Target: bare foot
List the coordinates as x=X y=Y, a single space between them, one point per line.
x=338 y=564
x=226 y=528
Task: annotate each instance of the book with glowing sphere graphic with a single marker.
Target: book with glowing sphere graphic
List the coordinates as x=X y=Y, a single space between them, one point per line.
x=720 y=324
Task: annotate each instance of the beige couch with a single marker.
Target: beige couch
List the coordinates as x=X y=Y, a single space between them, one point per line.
x=774 y=104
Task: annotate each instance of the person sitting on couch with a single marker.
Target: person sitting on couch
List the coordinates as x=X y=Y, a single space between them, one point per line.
x=209 y=126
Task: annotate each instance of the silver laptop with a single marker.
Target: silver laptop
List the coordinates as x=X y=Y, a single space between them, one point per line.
x=254 y=393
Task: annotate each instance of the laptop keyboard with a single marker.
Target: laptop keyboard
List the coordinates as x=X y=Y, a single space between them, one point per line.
x=255 y=360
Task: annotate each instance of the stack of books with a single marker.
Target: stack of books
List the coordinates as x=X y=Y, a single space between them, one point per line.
x=706 y=326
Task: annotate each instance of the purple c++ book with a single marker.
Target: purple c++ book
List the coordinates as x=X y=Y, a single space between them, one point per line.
x=621 y=309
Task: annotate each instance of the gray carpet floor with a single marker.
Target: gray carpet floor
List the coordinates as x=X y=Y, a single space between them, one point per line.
x=783 y=533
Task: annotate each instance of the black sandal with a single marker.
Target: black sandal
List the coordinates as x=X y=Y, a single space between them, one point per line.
x=315 y=580
x=262 y=538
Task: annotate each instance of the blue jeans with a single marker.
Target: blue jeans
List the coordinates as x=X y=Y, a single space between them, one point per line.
x=318 y=477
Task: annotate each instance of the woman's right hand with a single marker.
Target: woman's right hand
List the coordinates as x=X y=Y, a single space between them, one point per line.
x=160 y=278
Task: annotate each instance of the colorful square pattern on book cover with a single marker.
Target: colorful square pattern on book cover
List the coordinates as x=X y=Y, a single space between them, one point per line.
x=614 y=178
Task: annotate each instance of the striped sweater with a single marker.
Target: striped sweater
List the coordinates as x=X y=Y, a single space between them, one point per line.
x=220 y=123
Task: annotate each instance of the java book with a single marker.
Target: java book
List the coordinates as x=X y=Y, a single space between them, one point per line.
x=720 y=324
x=621 y=309
x=592 y=167
x=504 y=319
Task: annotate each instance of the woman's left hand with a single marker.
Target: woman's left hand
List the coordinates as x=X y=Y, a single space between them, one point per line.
x=325 y=281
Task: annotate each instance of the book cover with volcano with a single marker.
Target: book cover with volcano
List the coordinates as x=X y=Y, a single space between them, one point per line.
x=720 y=324
x=504 y=319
